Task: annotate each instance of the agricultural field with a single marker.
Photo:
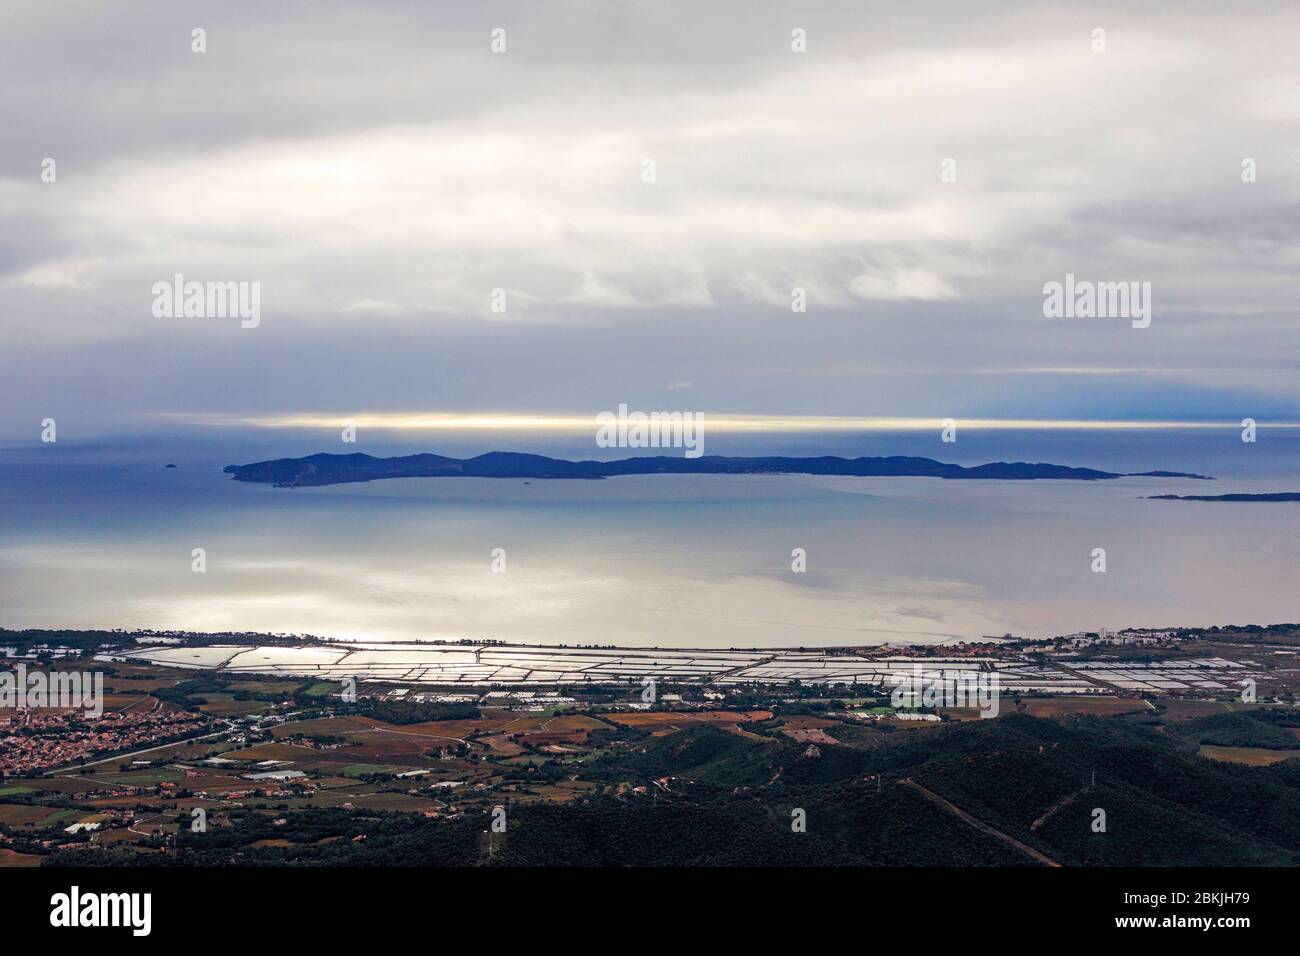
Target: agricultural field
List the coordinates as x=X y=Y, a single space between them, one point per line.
x=1180 y=709
x=22 y=815
x=11 y=858
x=256 y=753
x=1065 y=706
x=810 y=729
x=1250 y=756
x=660 y=723
x=143 y=778
x=281 y=688
x=227 y=705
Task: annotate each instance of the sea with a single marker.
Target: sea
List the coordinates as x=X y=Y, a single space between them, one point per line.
x=99 y=533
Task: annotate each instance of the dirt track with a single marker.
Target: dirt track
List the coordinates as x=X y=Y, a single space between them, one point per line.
x=965 y=817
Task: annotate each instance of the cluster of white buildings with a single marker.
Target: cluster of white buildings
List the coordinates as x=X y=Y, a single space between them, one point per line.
x=1128 y=637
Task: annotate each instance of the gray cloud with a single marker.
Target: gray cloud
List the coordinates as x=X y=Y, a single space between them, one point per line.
x=380 y=171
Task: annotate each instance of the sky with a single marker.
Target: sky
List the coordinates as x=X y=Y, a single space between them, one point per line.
x=379 y=170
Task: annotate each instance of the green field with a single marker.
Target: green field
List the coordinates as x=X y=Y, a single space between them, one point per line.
x=15 y=815
x=144 y=778
x=357 y=769
x=225 y=705
x=266 y=686
x=395 y=801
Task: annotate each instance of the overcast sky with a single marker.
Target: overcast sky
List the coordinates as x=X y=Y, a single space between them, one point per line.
x=379 y=170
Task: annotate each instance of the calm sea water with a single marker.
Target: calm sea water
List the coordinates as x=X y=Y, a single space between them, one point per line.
x=100 y=534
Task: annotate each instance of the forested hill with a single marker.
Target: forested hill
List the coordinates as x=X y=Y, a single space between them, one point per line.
x=327 y=469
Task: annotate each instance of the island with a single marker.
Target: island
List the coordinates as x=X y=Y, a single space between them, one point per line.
x=1270 y=496
x=329 y=469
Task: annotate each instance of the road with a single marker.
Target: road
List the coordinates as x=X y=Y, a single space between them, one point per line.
x=977 y=824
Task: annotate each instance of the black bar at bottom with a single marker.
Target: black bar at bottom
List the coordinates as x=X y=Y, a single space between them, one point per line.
x=320 y=905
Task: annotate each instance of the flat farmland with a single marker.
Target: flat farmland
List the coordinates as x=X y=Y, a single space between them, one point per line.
x=809 y=735
x=1187 y=709
x=406 y=802
x=571 y=729
x=383 y=746
x=964 y=713
x=453 y=729
x=137 y=686
x=12 y=858
x=276 y=751
x=286 y=688
x=809 y=729
x=371 y=741
x=145 y=705
x=215 y=782
x=141 y=679
x=327 y=783
x=503 y=746
x=225 y=705
x=323 y=727
x=1067 y=706
x=374 y=744
x=128 y=702
x=363 y=769
x=112 y=803
x=143 y=778
x=660 y=723
x=20 y=815
x=562 y=792
x=1250 y=756
x=559 y=724
x=187 y=751
x=67 y=784
x=808 y=721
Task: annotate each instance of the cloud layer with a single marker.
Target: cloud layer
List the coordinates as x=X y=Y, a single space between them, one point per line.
x=380 y=171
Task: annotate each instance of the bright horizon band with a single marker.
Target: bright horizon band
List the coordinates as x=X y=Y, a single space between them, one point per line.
x=714 y=422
